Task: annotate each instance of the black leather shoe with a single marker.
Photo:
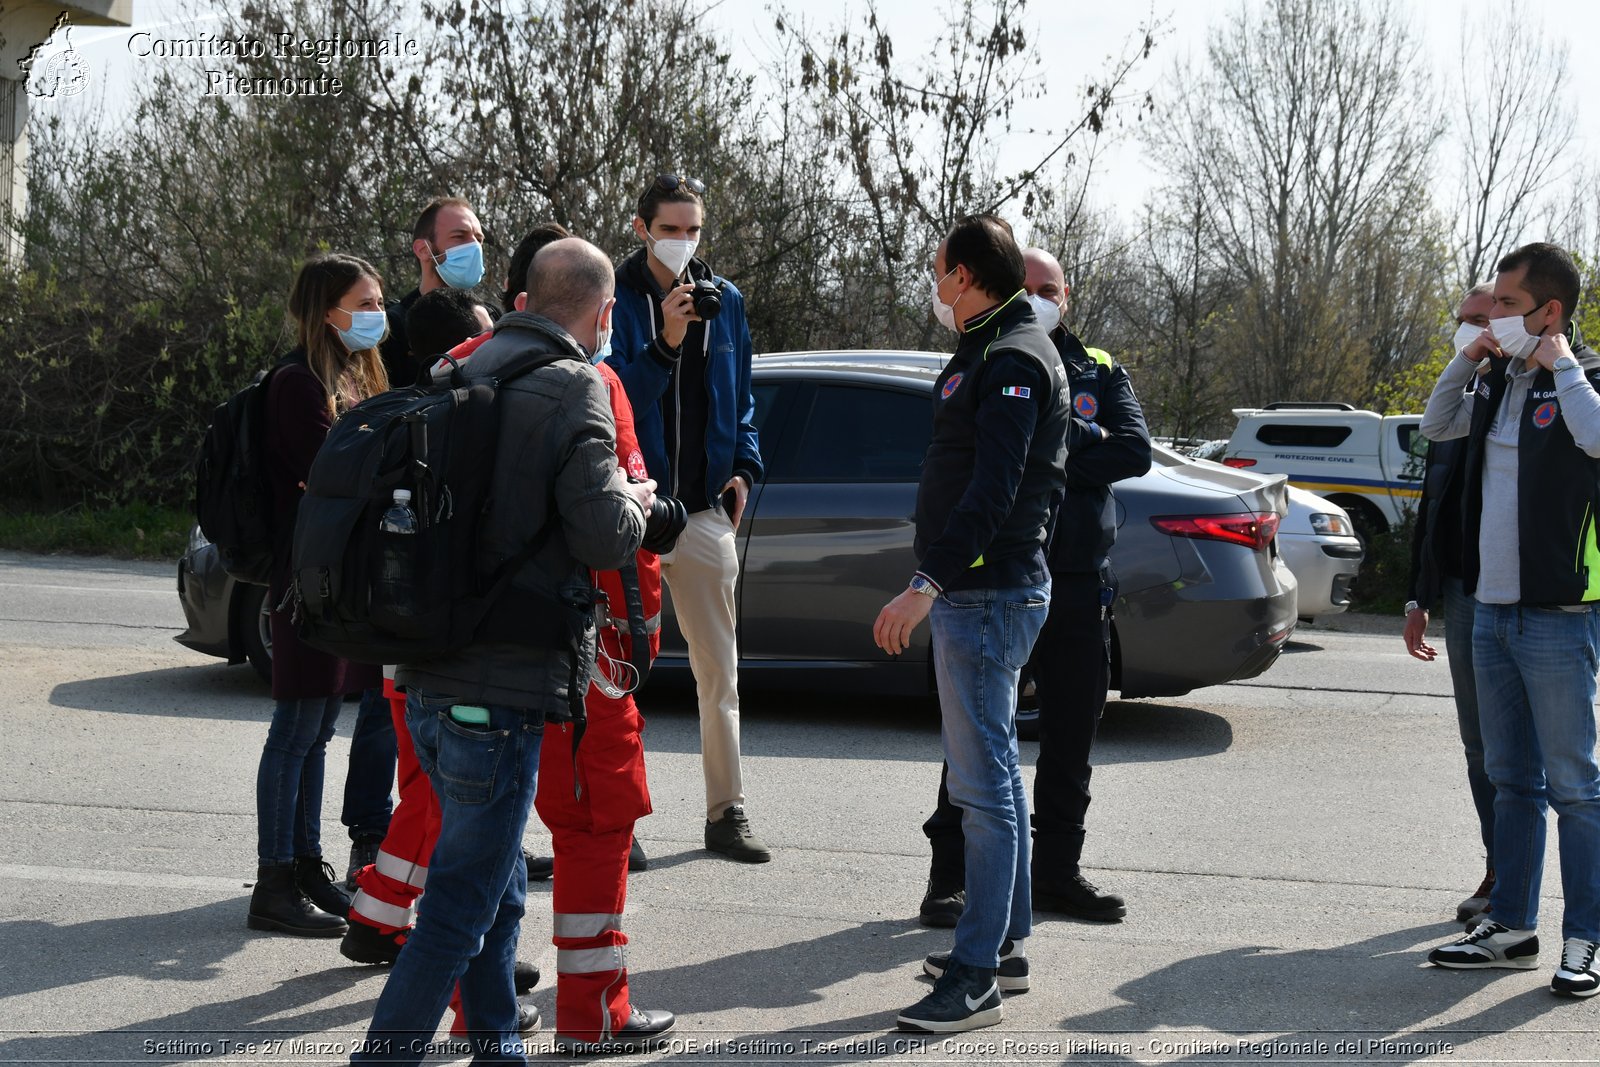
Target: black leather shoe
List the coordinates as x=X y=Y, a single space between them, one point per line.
x=942 y=905
x=363 y=852
x=525 y=975
x=637 y=860
x=731 y=835
x=367 y=944
x=642 y=1033
x=528 y=1020
x=540 y=868
x=1078 y=897
x=277 y=903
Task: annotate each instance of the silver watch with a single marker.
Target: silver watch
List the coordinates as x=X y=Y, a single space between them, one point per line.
x=919 y=584
x=1412 y=605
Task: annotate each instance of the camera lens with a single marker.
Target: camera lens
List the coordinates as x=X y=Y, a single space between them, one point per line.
x=662 y=526
x=707 y=299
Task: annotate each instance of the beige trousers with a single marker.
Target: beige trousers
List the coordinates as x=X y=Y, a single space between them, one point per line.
x=701 y=571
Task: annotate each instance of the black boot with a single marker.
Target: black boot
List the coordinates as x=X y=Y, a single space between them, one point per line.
x=1059 y=886
x=315 y=879
x=278 y=904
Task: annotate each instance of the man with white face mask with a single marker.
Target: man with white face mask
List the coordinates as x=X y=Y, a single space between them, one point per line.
x=682 y=349
x=992 y=477
x=1107 y=442
x=1524 y=395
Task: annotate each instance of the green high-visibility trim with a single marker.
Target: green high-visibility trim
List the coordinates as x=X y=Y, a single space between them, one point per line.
x=1591 y=563
x=976 y=563
x=1100 y=356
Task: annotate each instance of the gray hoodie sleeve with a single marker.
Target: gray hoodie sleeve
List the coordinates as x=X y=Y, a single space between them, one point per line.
x=603 y=523
x=1449 y=410
x=1580 y=408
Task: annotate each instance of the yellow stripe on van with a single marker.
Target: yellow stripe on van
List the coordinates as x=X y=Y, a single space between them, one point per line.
x=1359 y=490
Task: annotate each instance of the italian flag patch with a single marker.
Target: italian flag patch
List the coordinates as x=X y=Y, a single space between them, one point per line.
x=1016 y=390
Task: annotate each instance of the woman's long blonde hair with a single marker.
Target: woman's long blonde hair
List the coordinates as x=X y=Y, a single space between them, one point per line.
x=348 y=377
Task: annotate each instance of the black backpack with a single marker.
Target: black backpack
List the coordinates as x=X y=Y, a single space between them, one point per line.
x=374 y=597
x=232 y=500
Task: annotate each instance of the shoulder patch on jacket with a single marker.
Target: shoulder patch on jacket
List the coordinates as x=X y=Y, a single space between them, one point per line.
x=952 y=385
x=1017 y=390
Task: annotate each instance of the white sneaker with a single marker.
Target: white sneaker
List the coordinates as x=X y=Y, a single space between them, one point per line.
x=1576 y=977
x=1490 y=944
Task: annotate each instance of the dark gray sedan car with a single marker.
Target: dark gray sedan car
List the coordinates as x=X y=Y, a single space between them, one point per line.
x=826 y=542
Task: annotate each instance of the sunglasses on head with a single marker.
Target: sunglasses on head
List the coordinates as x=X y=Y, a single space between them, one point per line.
x=669 y=183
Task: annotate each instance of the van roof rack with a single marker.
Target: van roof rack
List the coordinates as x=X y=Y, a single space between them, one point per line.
x=1308 y=405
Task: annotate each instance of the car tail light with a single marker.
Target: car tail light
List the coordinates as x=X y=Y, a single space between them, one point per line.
x=1252 y=529
x=1239 y=462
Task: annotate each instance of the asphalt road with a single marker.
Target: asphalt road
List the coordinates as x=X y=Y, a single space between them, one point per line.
x=1290 y=848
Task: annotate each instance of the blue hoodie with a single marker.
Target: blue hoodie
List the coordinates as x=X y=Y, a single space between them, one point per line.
x=645 y=365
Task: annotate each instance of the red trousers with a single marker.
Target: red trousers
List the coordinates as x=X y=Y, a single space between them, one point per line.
x=388 y=889
x=592 y=834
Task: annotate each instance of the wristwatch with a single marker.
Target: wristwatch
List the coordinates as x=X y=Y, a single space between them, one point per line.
x=1412 y=605
x=919 y=584
x=1564 y=363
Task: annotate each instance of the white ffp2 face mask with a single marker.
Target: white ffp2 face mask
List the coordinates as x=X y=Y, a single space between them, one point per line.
x=1513 y=337
x=945 y=313
x=674 y=253
x=1047 y=311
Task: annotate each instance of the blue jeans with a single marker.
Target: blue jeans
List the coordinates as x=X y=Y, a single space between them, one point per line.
x=1460 y=611
x=1535 y=670
x=367 y=803
x=467 y=923
x=981 y=639
x=289 y=780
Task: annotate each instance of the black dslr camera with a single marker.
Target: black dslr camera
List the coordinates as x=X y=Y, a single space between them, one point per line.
x=662 y=526
x=707 y=297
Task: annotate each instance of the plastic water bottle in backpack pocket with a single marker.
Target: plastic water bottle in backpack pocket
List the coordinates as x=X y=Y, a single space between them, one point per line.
x=393 y=594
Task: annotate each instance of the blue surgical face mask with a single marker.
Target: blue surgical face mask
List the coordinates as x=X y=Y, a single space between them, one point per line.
x=602 y=339
x=461 y=267
x=366 y=330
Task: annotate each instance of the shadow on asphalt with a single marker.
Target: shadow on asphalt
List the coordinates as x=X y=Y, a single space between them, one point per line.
x=1380 y=989
x=214 y=691
x=188 y=945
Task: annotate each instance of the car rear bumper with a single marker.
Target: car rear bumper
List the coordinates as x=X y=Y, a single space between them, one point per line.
x=1325 y=567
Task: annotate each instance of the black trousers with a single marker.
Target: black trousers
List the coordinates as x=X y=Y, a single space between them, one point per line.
x=1071 y=668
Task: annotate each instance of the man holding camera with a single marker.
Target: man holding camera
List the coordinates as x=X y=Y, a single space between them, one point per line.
x=1526 y=396
x=682 y=350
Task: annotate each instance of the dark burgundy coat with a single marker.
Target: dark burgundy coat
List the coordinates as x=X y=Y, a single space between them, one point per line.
x=297 y=422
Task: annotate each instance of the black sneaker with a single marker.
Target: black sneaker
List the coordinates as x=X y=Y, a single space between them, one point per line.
x=1079 y=898
x=1576 y=977
x=1490 y=944
x=731 y=835
x=942 y=905
x=1478 y=902
x=963 y=998
x=363 y=853
x=1012 y=977
x=642 y=1033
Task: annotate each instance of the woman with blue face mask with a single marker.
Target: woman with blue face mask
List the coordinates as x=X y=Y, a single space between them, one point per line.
x=336 y=311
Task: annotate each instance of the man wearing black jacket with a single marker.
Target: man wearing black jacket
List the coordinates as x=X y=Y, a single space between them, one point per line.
x=1527 y=399
x=1107 y=441
x=992 y=477
x=1436 y=572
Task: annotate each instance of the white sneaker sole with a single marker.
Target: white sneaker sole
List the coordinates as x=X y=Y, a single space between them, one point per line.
x=975 y=1021
x=1523 y=963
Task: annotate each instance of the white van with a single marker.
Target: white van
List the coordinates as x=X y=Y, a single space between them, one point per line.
x=1368 y=464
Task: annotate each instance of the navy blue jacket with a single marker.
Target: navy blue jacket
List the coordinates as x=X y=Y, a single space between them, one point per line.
x=995 y=469
x=645 y=363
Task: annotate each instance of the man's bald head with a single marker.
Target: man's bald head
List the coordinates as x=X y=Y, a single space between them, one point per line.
x=568 y=279
x=1042 y=276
